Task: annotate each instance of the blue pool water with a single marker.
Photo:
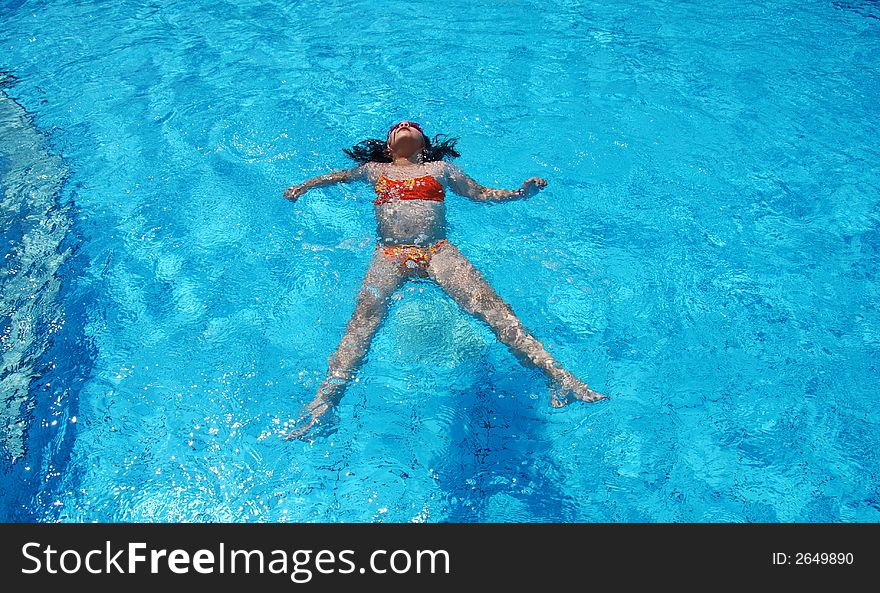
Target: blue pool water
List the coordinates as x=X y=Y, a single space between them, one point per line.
x=706 y=253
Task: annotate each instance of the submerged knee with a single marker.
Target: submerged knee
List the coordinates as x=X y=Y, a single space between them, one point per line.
x=510 y=333
x=371 y=303
x=494 y=310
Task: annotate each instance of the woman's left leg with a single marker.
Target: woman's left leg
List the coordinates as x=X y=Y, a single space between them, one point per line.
x=464 y=283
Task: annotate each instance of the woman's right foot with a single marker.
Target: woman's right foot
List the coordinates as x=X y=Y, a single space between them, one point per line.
x=315 y=414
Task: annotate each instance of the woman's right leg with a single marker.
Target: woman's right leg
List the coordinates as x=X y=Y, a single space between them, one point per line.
x=383 y=277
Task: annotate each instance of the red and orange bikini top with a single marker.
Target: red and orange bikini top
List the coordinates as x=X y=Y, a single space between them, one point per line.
x=425 y=187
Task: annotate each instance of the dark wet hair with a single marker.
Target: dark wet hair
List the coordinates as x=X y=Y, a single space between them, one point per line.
x=375 y=150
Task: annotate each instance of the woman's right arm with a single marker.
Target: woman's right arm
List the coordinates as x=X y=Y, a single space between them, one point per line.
x=358 y=173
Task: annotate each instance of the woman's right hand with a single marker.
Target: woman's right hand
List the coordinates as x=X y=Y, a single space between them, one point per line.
x=294 y=191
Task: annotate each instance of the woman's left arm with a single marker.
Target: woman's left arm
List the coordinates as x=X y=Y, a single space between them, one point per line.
x=462 y=184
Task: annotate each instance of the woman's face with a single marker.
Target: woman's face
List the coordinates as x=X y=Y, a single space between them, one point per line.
x=405 y=140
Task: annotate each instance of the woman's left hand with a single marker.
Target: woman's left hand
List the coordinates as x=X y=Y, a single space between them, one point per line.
x=533 y=185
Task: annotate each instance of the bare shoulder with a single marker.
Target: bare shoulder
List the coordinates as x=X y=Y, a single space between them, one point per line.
x=441 y=169
x=372 y=170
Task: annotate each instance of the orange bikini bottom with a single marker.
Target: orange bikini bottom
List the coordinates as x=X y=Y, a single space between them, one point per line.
x=411 y=257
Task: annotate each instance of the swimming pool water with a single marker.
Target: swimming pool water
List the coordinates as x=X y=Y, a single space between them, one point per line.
x=705 y=253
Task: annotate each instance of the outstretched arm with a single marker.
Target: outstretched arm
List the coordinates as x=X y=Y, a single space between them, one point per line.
x=462 y=184
x=340 y=176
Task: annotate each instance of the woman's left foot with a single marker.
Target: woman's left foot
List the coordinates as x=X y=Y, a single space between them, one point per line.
x=569 y=388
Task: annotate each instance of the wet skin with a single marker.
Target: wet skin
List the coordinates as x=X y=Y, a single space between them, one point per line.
x=423 y=223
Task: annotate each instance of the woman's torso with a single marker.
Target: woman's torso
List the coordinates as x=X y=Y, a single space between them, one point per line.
x=409 y=203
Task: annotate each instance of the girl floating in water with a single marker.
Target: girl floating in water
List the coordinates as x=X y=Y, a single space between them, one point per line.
x=410 y=176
